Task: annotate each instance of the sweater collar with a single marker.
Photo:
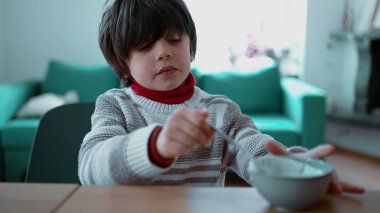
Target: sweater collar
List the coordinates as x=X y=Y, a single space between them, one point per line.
x=174 y=96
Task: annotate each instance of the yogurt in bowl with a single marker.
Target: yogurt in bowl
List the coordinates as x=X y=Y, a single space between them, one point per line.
x=291 y=182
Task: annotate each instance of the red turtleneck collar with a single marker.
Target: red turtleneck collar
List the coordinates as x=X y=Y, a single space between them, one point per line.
x=175 y=96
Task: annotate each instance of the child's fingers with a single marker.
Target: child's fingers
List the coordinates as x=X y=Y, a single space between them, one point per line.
x=203 y=112
x=188 y=127
x=171 y=148
x=185 y=130
x=189 y=135
x=347 y=187
x=201 y=122
x=335 y=187
x=198 y=126
x=321 y=151
x=275 y=148
x=177 y=148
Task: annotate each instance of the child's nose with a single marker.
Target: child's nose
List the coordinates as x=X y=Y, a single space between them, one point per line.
x=164 y=53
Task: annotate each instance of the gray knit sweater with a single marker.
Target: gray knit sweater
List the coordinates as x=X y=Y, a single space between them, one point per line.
x=115 y=151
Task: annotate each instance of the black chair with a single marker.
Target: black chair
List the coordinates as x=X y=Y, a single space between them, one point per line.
x=54 y=156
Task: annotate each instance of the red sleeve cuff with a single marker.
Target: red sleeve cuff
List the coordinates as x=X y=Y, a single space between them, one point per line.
x=154 y=155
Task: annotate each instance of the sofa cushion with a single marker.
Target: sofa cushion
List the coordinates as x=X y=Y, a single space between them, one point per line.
x=88 y=81
x=254 y=91
x=13 y=95
x=19 y=133
x=280 y=127
x=40 y=104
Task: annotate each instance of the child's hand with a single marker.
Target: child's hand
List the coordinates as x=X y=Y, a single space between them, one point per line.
x=321 y=151
x=185 y=130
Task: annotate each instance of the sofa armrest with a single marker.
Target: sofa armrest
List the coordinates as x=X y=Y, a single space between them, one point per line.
x=305 y=104
x=13 y=95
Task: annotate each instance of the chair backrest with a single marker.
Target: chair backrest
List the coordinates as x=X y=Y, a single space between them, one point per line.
x=54 y=157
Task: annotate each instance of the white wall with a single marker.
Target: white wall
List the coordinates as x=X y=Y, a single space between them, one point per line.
x=332 y=64
x=39 y=30
x=322 y=61
x=2 y=57
x=329 y=64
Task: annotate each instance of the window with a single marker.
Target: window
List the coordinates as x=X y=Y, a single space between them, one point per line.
x=235 y=34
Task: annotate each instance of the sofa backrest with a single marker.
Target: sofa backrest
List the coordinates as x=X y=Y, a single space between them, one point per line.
x=88 y=81
x=255 y=91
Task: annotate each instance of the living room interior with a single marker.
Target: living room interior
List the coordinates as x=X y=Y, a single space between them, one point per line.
x=328 y=44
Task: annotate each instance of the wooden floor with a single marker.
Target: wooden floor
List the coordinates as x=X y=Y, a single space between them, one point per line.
x=351 y=167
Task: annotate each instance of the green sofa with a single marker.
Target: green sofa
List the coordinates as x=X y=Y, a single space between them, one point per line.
x=288 y=109
x=17 y=134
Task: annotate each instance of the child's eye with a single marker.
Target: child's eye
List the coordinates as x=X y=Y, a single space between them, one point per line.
x=173 y=36
x=175 y=39
x=144 y=48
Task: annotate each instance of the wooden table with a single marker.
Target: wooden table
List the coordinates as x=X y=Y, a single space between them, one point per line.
x=20 y=197
x=200 y=199
x=72 y=198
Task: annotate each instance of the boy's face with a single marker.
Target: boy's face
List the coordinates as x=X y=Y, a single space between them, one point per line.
x=164 y=65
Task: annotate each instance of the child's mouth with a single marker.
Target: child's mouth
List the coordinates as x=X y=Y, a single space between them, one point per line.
x=167 y=69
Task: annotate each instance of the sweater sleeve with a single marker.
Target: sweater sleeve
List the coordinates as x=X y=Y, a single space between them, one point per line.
x=153 y=153
x=109 y=155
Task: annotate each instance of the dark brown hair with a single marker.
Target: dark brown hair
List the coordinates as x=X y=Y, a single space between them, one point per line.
x=129 y=24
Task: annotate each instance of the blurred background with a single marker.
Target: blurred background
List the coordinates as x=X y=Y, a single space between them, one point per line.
x=329 y=44
x=297 y=32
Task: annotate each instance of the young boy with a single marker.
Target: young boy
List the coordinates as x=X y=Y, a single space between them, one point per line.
x=151 y=132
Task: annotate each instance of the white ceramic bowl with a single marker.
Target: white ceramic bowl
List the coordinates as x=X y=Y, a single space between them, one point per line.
x=293 y=183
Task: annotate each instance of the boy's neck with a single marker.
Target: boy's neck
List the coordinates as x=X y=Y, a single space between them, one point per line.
x=175 y=96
